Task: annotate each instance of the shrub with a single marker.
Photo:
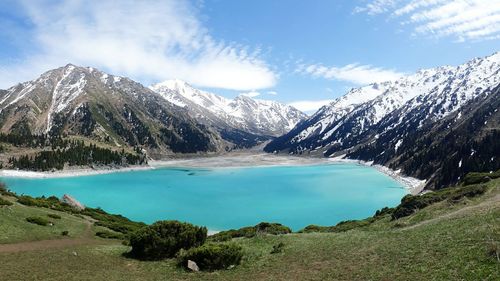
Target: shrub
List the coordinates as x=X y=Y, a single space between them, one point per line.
x=251 y=231
x=4 y=202
x=38 y=220
x=109 y=235
x=412 y=203
x=65 y=233
x=278 y=248
x=164 y=239
x=493 y=250
x=384 y=211
x=4 y=191
x=212 y=256
x=339 y=227
x=116 y=223
x=476 y=178
x=54 y=216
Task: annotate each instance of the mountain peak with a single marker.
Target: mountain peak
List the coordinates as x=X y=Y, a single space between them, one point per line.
x=259 y=117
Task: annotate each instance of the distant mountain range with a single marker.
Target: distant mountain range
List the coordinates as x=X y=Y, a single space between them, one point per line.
x=243 y=120
x=436 y=124
x=171 y=117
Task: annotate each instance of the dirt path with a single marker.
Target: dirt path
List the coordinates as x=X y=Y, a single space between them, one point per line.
x=491 y=202
x=86 y=239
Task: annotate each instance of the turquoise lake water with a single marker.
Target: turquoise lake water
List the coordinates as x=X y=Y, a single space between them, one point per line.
x=225 y=198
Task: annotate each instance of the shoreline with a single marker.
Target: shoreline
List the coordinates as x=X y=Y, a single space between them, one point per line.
x=413 y=185
x=236 y=160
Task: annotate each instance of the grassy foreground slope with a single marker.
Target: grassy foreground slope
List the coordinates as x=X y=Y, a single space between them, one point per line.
x=448 y=240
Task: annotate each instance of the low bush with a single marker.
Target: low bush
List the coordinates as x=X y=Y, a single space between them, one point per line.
x=4 y=202
x=4 y=191
x=54 y=216
x=164 y=239
x=38 y=220
x=65 y=233
x=109 y=235
x=493 y=250
x=411 y=203
x=278 y=248
x=339 y=227
x=251 y=231
x=477 y=178
x=51 y=202
x=116 y=223
x=212 y=256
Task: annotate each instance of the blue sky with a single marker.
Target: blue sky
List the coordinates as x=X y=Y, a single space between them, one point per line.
x=300 y=52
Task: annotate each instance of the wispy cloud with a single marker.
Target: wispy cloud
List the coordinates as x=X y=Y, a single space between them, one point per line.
x=272 y=93
x=353 y=73
x=251 y=94
x=462 y=19
x=309 y=106
x=147 y=40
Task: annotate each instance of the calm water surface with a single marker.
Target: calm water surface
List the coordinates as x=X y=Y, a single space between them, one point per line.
x=225 y=198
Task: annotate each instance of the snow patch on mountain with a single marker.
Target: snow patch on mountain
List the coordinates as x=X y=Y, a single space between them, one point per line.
x=256 y=116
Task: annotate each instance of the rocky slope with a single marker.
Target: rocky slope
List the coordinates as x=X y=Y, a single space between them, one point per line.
x=244 y=121
x=82 y=101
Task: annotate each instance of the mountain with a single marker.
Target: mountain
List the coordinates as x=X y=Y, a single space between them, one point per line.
x=464 y=141
x=244 y=121
x=85 y=102
x=388 y=114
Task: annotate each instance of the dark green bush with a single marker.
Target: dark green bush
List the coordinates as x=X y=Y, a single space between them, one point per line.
x=116 y=223
x=164 y=239
x=316 y=228
x=4 y=191
x=65 y=233
x=212 y=256
x=339 y=227
x=4 y=202
x=109 y=235
x=51 y=202
x=411 y=203
x=251 y=231
x=38 y=220
x=384 y=211
x=476 y=178
x=278 y=248
x=54 y=216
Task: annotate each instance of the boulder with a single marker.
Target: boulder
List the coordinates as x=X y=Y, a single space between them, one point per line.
x=193 y=266
x=72 y=202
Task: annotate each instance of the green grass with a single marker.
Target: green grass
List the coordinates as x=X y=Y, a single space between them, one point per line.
x=446 y=240
x=15 y=228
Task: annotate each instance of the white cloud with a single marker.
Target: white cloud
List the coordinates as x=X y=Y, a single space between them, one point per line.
x=146 y=40
x=251 y=94
x=462 y=19
x=272 y=93
x=376 y=7
x=309 y=106
x=353 y=73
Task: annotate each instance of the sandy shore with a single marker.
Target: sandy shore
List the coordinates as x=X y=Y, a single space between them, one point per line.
x=234 y=160
x=414 y=185
x=73 y=172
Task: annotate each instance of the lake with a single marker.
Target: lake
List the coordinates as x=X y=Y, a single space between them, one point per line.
x=225 y=198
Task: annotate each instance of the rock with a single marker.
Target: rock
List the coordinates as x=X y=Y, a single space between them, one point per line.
x=193 y=266
x=72 y=202
x=75 y=253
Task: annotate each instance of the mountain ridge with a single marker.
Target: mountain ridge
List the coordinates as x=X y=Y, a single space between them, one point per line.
x=258 y=117
x=408 y=104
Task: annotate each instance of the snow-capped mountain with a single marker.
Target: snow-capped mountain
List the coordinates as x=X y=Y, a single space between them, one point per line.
x=384 y=117
x=248 y=115
x=426 y=95
x=83 y=101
